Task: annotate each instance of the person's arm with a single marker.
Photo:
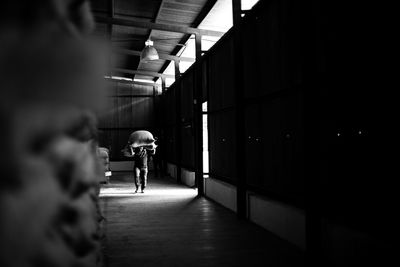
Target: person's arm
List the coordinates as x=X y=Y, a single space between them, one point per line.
x=129 y=149
x=151 y=152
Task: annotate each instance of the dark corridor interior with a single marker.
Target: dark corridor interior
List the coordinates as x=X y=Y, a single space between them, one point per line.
x=275 y=128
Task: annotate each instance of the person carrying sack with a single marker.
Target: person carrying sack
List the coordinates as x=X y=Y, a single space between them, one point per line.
x=140 y=159
x=140 y=147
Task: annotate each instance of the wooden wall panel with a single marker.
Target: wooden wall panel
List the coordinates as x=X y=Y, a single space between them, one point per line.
x=134 y=89
x=142 y=112
x=221 y=73
x=273 y=49
x=185 y=125
x=114 y=140
x=271 y=142
x=128 y=108
x=274 y=147
x=170 y=144
x=358 y=191
x=169 y=107
x=186 y=94
x=115 y=88
x=282 y=142
x=222 y=143
x=188 y=159
x=261 y=53
x=351 y=181
x=294 y=44
x=355 y=141
x=273 y=62
x=254 y=150
x=125 y=111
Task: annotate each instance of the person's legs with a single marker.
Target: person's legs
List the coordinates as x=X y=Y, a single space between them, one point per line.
x=143 y=176
x=137 y=178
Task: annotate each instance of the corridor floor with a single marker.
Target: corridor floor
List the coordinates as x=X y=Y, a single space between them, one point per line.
x=169 y=226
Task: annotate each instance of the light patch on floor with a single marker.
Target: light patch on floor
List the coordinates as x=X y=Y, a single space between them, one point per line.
x=124 y=192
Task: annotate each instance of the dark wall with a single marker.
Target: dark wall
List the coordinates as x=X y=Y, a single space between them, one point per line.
x=315 y=123
x=129 y=108
x=221 y=115
x=273 y=69
x=176 y=118
x=357 y=192
x=273 y=66
x=167 y=119
x=187 y=121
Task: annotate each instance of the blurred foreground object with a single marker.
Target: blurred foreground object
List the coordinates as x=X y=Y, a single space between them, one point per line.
x=103 y=154
x=51 y=83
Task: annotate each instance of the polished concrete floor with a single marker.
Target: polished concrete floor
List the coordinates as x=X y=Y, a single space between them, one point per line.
x=169 y=225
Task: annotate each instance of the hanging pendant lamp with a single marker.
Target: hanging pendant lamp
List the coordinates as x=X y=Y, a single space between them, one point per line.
x=149 y=52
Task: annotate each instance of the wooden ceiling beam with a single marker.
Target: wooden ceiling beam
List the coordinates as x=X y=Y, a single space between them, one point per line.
x=130 y=82
x=162 y=56
x=157 y=26
x=200 y=17
x=143 y=73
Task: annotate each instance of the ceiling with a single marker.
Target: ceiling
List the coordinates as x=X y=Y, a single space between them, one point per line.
x=128 y=41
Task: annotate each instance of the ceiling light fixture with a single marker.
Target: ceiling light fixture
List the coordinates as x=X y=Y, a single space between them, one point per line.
x=149 y=52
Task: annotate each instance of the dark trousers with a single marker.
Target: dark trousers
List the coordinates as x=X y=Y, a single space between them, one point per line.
x=140 y=177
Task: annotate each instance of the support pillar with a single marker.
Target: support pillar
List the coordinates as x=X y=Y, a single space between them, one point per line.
x=177 y=70
x=240 y=111
x=178 y=133
x=163 y=86
x=198 y=119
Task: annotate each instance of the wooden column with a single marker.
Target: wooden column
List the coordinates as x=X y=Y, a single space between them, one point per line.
x=163 y=86
x=154 y=105
x=178 y=134
x=177 y=71
x=240 y=110
x=198 y=119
